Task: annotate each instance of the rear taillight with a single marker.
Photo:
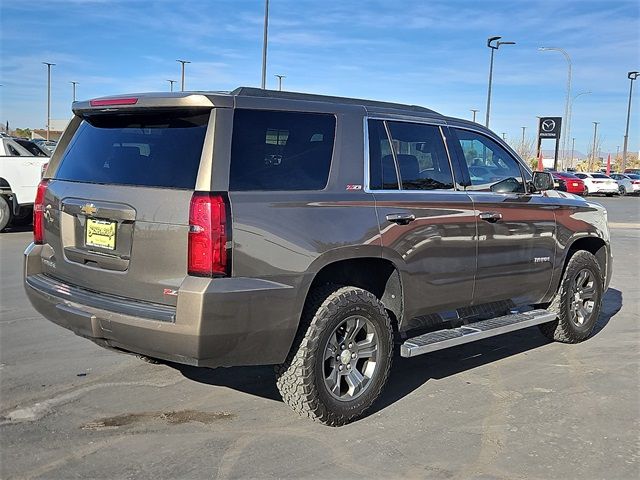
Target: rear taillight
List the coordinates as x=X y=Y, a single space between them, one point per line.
x=208 y=256
x=38 y=213
x=43 y=169
x=635 y=182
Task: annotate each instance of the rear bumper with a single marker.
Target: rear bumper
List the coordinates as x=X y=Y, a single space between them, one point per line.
x=217 y=322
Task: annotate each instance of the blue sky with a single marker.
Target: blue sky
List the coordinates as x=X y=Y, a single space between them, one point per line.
x=431 y=53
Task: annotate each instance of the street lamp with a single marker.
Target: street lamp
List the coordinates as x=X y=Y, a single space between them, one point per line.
x=573 y=148
x=474 y=114
x=504 y=136
x=183 y=62
x=631 y=76
x=523 y=130
x=74 y=89
x=593 y=150
x=280 y=77
x=264 y=44
x=49 y=65
x=573 y=100
x=566 y=131
x=171 y=82
x=494 y=44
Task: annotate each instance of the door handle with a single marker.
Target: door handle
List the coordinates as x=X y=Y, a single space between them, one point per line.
x=490 y=217
x=401 y=218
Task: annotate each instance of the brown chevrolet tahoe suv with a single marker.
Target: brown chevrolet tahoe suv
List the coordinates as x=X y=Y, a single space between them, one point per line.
x=306 y=231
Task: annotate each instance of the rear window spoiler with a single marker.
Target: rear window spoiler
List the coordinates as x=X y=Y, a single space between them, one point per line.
x=144 y=101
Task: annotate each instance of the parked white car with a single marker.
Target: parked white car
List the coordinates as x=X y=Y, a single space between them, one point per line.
x=598 y=183
x=626 y=184
x=20 y=173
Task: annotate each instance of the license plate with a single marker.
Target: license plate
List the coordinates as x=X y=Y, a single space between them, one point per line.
x=101 y=233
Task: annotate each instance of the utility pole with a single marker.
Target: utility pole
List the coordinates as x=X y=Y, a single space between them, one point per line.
x=280 y=77
x=49 y=65
x=171 y=82
x=474 y=114
x=74 y=89
x=183 y=63
x=631 y=76
x=593 y=150
x=523 y=130
x=264 y=44
x=493 y=46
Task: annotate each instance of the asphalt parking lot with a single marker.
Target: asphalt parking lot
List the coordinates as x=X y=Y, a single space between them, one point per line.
x=510 y=407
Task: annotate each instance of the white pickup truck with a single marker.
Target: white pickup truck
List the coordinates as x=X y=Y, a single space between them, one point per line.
x=20 y=173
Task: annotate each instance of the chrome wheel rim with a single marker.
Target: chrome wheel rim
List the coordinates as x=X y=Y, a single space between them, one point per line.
x=350 y=358
x=583 y=297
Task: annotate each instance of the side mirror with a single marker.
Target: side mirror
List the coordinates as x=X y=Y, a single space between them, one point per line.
x=542 y=181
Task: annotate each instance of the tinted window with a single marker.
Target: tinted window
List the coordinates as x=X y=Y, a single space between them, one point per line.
x=567 y=175
x=281 y=150
x=599 y=175
x=581 y=175
x=382 y=168
x=31 y=147
x=153 y=149
x=491 y=168
x=421 y=157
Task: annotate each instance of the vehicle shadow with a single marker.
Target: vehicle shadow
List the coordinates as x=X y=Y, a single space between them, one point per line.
x=408 y=374
x=18 y=229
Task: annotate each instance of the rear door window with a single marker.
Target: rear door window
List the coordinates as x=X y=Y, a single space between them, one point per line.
x=281 y=150
x=421 y=157
x=156 y=149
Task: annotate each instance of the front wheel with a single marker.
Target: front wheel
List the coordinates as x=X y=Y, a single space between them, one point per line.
x=622 y=191
x=578 y=300
x=341 y=359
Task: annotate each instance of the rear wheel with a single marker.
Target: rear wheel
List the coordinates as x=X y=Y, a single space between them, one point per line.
x=341 y=359
x=621 y=190
x=578 y=300
x=5 y=213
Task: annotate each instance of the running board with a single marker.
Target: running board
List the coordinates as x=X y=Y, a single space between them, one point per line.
x=430 y=342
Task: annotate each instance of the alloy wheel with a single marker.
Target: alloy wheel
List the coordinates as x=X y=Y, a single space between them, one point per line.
x=350 y=358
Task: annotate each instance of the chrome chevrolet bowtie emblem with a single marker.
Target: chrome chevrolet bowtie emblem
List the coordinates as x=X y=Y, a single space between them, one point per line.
x=88 y=209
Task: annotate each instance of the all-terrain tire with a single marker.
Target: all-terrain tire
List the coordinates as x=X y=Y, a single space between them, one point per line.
x=565 y=329
x=6 y=215
x=301 y=378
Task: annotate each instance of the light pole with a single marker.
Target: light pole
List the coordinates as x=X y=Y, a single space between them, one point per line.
x=182 y=62
x=49 y=65
x=171 y=82
x=280 y=77
x=74 y=89
x=573 y=100
x=474 y=114
x=565 y=132
x=494 y=44
x=523 y=130
x=617 y=151
x=573 y=148
x=504 y=136
x=264 y=44
x=631 y=76
x=593 y=150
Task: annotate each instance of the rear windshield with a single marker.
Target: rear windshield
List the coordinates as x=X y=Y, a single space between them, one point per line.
x=281 y=150
x=599 y=175
x=567 y=175
x=159 y=149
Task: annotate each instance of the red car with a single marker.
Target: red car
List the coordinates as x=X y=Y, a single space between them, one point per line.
x=568 y=182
